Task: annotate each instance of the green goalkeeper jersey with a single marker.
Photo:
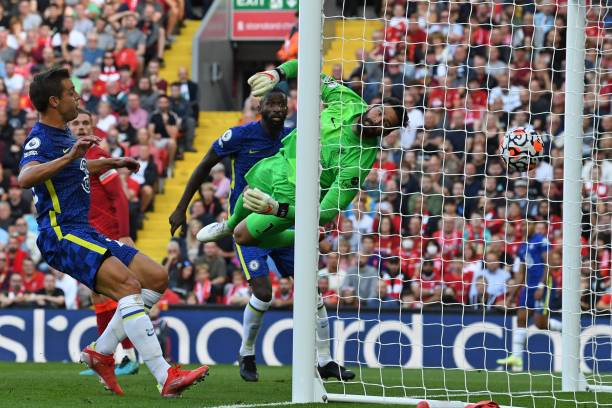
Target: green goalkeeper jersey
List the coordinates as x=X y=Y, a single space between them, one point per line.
x=346 y=158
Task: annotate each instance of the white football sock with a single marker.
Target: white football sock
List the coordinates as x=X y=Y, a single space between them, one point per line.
x=149 y=298
x=554 y=325
x=111 y=336
x=141 y=333
x=253 y=315
x=115 y=333
x=323 y=353
x=518 y=342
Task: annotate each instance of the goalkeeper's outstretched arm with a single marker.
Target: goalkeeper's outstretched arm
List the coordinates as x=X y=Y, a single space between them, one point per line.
x=331 y=91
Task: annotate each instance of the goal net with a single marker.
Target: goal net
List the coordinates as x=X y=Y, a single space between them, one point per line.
x=443 y=279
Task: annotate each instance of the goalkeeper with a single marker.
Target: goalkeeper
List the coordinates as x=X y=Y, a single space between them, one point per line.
x=350 y=137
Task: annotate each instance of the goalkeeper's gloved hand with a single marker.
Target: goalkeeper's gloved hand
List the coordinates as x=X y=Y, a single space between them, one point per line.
x=262 y=82
x=259 y=202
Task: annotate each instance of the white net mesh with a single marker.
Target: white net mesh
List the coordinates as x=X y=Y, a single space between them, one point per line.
x=431 y=272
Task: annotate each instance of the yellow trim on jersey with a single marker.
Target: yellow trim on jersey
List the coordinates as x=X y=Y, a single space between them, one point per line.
x=233 y=182
x=85 y=244
x=56 y=228
x=53 y=194
x=244 y=267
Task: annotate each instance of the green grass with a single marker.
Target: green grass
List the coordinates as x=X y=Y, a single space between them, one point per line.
x=59 y=385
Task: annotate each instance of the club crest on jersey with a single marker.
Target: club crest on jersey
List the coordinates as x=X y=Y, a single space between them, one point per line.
x=85 y=183
x=254 y=265
x=32 y=144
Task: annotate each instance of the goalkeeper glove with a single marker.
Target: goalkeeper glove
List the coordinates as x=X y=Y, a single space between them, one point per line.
x=263 y=82
x=262 y=203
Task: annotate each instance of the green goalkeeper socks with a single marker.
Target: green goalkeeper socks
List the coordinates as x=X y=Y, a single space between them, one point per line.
x=239 y=213
x=279 y=240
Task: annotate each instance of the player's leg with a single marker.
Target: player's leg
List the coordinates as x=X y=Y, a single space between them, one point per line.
x=541 y=317
x=519 y=334
x=265 y=231
x=253 y=263
x=327 y=367
x=151 y=280
x=114 y=279
x=105 y=309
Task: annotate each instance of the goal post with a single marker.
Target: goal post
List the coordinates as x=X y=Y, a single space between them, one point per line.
x=572 y=195
x=307 y=202
x=442 y=327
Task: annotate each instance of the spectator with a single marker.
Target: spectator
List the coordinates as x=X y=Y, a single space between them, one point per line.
x=49 y=296
x=175 y=265
x=237 y=293
x=383 y=300
x=202 y=288
x=217 y=267
x=283 y=295
x=333 y=272
x=193 y=247
x=220 y=181
x=330 y=298
x=427 y=285
x=5 y=273
x=164 y=125
x=33 y=280
x=361 y=280
x=496 y=279
x=189 y=91
x=138 y=116
x=15 y=295
x=69 y=286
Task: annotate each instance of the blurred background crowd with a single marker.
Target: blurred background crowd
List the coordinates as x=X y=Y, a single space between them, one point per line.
x=439 y=219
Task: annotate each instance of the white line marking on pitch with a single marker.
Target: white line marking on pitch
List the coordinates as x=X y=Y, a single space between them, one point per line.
x=270 y=404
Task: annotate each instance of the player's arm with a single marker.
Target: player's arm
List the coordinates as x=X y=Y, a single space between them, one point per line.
x=201 y=172
x=331 y=91
x=111 y=183
x=102 y=165
x=35 y=172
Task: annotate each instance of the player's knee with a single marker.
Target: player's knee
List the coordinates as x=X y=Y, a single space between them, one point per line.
x=262 y=289
x=129 y=286
x=242 y=236
x=159 y=280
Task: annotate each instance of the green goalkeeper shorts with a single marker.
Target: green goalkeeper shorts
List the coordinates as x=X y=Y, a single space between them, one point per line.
x=270 y=176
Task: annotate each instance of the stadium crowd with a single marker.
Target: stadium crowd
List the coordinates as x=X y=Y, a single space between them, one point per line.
x=114 y=51
x=439 y=218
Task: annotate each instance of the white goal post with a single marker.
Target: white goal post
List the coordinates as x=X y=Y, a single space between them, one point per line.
x=306 y=384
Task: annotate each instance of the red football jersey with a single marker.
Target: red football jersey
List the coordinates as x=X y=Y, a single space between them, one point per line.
x=109 y=210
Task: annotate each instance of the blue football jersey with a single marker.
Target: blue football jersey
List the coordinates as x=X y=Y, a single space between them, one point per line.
x=246 y=145
x=533 y=254
x=64 y=198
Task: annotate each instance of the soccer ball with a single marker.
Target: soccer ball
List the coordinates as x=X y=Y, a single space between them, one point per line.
x=521 y=149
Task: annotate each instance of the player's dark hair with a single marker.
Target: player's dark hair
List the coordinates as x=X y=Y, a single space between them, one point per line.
x=398 y=107
x=86 y=112
x=274 y=91
x=45 y=85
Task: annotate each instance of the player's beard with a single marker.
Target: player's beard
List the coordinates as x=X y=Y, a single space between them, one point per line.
x=367 y=128
x=273 y=121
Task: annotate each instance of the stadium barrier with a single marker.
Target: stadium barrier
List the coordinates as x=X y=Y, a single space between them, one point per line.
x=212 y=336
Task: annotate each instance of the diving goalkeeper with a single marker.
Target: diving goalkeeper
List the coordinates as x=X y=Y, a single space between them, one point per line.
x=350 y=138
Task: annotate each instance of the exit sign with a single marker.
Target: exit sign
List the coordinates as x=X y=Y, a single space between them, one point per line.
x=261 y=20
x=265 y=5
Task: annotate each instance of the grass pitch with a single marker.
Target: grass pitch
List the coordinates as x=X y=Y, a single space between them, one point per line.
x=59 y=385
